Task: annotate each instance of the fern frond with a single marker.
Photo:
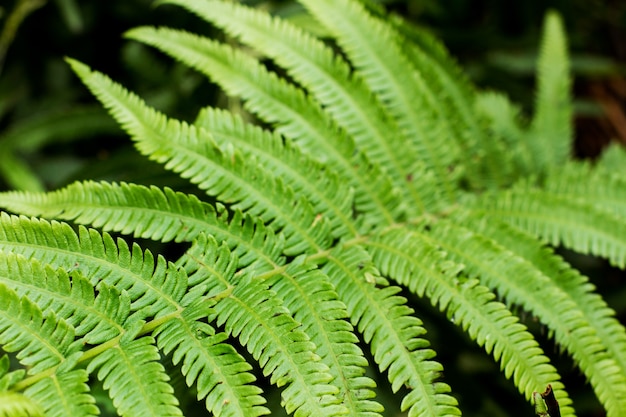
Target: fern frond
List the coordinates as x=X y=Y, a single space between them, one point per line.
x=42 y=342
x=297 y=117
x=223 y=173
x=255 y=315
x=46 y=345
x=597 y=340
x=605 y=190
x=328 y=78
x=485 y=168
x=504 y=121
x=373 y=48
x=556 y=219
x=64 y=394
x=151 y=287
x=321 y=185
x=13 y=404
x=164 y=293
x=613 y=159
x=393 y=333
x=310 y=296
x=519 y=282
x=550 y=134
x=151 y=213
x=124 y=369
x=401 y=254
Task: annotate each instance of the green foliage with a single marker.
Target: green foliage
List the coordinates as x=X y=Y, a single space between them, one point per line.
x=377 y=170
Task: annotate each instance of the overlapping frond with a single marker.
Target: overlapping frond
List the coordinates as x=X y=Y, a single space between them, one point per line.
x=311 y=298
x=125 y=368
x=328 y=78
x=221 y=172
x=63 y=394
x=255 y=315
x=296 y=116
x=151 y=213
x=605 y=190
x=373 y=48
x=563 y=299
x=44 y=343
x=410 y=258
x=558 y=220
x=13 y=404
x=395 y=336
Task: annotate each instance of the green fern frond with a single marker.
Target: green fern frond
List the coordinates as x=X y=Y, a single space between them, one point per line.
x=456 y=96
x=151 y=213
x=550 y=134
x=13 y=404
x=605 y=190
x=124 y=369
x=557 y=220
x=46 y=345
x=504 y=121
x=306 y=177
x=393 y=333
x=151 y=287
x=328 y=78
x=613 y=159
x=312 y=300
x=96 y=320
x=64 y=394
x=42 y=342
x=255 y=315
x=297 y=117
x=373 y=48
x=521 y=283
x=591 y=322
x=224 y=173
x=401 y=254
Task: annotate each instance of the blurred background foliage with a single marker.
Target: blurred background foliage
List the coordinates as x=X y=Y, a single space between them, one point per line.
x=52 y=131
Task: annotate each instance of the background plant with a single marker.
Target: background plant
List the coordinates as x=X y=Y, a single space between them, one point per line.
x=438 y=229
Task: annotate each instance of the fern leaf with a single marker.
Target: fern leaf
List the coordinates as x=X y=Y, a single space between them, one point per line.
x=328 y=79
x=151 y=213
x=96 y=320
x=275 y=101
x=503 y=118
x=124 y=370
x=157 y=291
x=578 y=181
x=308 y=178
x=556 y=219
x=64 y=394
x=223 y=173
x=312 y=300
x=401 y=256
x=151 y=287
x=13 y=404
x=551 y=129
x=393 y=333
x=221 y=374
x=373 y=48
x=588 y=331
x=42 y=342
x=486 y=167
x=256 y=316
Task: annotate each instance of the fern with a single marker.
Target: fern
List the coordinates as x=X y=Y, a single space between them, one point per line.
x=379 y=169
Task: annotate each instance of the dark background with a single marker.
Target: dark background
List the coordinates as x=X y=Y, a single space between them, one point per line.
x=52 y=131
